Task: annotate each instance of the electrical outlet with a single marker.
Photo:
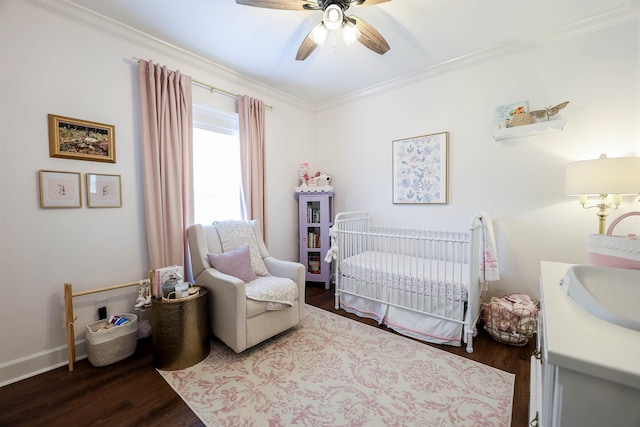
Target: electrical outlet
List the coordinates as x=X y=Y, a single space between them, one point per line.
x=101 y=307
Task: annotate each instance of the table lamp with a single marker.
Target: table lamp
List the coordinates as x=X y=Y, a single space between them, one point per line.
x=608 y=179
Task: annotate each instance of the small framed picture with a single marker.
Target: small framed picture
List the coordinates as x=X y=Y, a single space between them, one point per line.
x=420 y=169
x=60 y=189
x=104 y=191
x=81 y=140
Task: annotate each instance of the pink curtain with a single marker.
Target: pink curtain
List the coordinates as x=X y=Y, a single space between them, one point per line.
x=252 y=154
x=167 y=141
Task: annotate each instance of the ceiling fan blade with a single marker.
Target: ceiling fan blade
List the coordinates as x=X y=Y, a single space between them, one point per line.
x=370 y=37
x=280 y=4
x=358 y=3
x=308 y=45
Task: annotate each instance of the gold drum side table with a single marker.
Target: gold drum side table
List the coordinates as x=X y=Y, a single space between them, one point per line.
x=180 y=332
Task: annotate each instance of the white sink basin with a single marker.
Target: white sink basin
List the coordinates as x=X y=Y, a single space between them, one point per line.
x=612 y=294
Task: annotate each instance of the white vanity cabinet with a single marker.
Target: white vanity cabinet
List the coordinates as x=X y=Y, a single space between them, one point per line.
x=586 y=371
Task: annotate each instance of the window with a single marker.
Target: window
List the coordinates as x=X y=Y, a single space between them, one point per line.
x=216 y=166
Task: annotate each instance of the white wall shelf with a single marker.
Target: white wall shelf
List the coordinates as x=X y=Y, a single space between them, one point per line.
x=529 y=130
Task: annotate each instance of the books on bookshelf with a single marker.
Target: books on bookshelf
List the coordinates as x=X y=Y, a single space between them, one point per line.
x=313 y=213
x=314 y=263
x=313 y=239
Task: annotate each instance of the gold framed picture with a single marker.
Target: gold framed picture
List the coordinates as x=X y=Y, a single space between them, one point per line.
x=60 y=189
x=81 y=140
x=104 y=191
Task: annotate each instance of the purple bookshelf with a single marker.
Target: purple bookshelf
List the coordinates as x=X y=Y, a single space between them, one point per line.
x=315 y=216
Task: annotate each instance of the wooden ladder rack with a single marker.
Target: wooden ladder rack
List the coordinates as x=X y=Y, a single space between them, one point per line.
x=68 y=307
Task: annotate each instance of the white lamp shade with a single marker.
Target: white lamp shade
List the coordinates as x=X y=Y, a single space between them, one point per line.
x=603 y=176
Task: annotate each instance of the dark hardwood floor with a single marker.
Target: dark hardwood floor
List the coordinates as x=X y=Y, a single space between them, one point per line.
x=132 y=393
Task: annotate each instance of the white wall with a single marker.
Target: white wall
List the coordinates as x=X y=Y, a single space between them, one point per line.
x=53 y=64
x=78 y=68
x=520 y=182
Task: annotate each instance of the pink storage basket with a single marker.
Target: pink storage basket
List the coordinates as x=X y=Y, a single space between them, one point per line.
x=615 y=251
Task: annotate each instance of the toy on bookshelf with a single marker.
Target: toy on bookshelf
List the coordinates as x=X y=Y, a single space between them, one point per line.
x=316 y=182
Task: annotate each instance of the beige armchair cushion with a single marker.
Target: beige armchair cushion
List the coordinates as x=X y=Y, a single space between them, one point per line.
x=236 y=320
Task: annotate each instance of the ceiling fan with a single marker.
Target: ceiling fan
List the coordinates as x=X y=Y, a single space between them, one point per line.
x=333 y=18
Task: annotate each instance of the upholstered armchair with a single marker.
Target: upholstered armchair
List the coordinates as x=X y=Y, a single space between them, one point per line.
x=220 y=263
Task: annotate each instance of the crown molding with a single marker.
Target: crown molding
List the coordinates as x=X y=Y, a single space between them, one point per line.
x=103 y=24
x=616 y=16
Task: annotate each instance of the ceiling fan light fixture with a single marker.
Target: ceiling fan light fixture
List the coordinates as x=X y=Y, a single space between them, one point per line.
x=351 y=33
x=333 y=17
x=319 y=34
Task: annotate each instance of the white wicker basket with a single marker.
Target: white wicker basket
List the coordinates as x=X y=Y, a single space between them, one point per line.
x=108 y=346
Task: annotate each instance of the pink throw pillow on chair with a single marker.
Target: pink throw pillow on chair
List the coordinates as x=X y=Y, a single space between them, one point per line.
x=236 y=263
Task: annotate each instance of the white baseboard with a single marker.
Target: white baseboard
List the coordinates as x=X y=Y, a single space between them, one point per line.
x=37 y=363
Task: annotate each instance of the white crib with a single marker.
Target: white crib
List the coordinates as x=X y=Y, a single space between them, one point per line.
x=421 y=283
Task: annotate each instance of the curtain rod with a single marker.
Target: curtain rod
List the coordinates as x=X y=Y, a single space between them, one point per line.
x=212 y=88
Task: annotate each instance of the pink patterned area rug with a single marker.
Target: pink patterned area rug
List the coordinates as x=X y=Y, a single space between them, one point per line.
x=333 y=371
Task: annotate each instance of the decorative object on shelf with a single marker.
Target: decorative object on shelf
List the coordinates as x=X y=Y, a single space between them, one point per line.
x=548 y=111
x=303 y=172
x=607 y=179
x=81 y=140
x=420 y=169
x=60 y=189
x=313 y=183
x=505 y=113
x=521 y=120
x=104 y=191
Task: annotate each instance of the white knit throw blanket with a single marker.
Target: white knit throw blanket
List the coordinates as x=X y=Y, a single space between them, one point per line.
x=278 y=292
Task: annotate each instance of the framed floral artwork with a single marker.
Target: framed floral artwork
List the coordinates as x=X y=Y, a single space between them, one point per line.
x=104 y=191
x=60 y=189
x=420 y=169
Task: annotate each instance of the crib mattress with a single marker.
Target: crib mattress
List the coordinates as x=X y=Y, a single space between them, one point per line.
x=389 y=276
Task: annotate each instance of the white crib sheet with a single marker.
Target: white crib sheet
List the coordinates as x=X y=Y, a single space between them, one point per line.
x=387 y=276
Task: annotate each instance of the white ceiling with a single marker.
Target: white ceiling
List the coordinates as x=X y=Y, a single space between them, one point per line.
x=423 y=35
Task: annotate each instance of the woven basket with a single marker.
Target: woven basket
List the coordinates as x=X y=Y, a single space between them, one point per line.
x=105 y=347
x=614 y=251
